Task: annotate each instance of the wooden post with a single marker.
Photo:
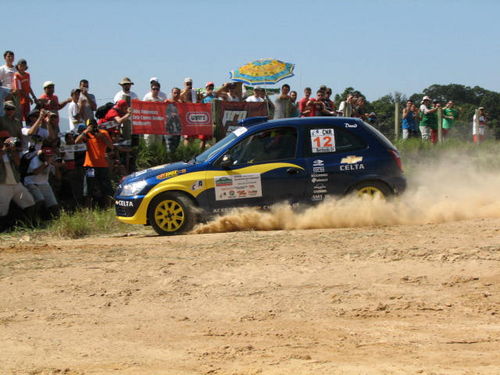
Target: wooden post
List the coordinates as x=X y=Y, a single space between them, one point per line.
x=440 y=124
x=397 y=120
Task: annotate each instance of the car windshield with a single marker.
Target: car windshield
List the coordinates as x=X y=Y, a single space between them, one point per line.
x=207 y=154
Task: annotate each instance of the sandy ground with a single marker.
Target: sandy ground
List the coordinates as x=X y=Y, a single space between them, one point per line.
x=420 y=299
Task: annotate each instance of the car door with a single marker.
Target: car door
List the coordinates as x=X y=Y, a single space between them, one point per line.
x=334 y=159
x=263 y=170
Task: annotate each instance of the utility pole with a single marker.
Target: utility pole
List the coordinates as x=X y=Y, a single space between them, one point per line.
x=396 y=120
x=440 y=124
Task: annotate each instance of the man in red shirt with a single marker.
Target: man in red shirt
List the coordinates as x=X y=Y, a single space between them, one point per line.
x=303 y=110
x=49 y=100
x=96 y=163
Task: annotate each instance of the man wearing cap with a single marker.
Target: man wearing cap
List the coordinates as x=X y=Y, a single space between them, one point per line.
x=125 y=92
x=37 y=179
x=210 y=95
x=257 y=97
x=155 y=94
x=10 y=185
x=49 y=100
x=87 y=101
x=9 y=121
x=428 y=121
x=188 y=94
x=75 y=113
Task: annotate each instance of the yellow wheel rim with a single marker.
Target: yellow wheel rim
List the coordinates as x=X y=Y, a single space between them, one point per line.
x=169 y=215
x=370 y=191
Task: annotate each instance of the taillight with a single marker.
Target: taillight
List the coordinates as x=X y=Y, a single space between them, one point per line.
x=397 y=158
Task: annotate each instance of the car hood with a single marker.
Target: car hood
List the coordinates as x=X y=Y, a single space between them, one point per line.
x=167 y=170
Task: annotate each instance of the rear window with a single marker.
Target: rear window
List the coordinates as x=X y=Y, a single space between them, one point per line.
x=382 y=138
x=330 y=139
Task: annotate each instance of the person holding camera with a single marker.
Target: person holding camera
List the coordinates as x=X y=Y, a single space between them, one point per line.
x=428 y=120
x=11 y=187
x=37 y=179
x=96 y=164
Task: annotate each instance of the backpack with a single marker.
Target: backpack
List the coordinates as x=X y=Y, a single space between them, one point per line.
x=101 y=111
x=24 y=164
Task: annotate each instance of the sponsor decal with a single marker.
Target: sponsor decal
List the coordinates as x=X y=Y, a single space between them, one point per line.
x=314 y=180
x=320 y=191
x=351 y=167
x=165 y=175
x=319 y=175
x=198 y=118
x=223 y=181
x=351 y=159
x=319 y=186
x=318 y=163
x=347 y=125
x=318 y=169
x=197 y=185
x=238 y=186
x=123 y=203
x=322 y=140
x=317 y=197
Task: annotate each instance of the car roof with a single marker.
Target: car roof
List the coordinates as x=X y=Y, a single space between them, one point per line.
x=260 y=122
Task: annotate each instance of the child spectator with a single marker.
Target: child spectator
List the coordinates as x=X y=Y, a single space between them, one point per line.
x=75 y=113
x=22 y=87
x=450 y=114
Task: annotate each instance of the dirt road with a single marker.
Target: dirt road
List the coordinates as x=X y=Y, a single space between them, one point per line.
x=414 y=299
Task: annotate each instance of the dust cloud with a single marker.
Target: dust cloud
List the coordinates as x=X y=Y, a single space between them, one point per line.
x=449 y=189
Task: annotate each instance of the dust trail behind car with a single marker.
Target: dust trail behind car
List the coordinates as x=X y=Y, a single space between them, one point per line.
x=449 y=189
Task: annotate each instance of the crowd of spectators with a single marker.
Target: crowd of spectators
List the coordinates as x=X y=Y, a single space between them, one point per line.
x=42 y=169
x=423 y=122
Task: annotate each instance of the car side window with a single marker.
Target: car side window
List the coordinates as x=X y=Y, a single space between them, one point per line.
x=265 y=146
x=327 y=140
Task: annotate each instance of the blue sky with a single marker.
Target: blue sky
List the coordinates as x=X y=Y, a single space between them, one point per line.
x=377 y=46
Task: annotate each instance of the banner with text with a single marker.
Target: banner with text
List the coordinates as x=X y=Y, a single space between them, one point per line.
x=232 y=112
x=171 y=118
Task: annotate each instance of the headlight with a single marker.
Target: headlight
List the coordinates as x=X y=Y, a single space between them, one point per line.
x=133 y=188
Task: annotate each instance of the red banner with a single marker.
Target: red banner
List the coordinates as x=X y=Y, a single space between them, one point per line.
x=148 y=117
x=196 y=118
x=171 y=118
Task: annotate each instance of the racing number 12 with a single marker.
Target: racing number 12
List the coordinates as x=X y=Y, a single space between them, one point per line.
x=324 y=141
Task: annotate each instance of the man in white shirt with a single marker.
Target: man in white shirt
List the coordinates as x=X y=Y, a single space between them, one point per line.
x=155 y=95
x=87 y=101
x=257 y=97
x=8 y=70
x=74 y=110
x=125 y=92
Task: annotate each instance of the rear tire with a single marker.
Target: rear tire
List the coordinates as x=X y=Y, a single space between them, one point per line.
x=171 y=213
x=372 y=188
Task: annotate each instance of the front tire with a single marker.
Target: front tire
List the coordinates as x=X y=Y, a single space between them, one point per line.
x=171 y=213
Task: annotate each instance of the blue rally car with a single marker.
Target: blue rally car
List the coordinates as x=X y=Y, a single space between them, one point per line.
x=262 y=163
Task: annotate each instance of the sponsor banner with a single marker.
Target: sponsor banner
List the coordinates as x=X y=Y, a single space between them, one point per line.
x=171 y=118
x=232 y=112
x=148 y=117
x=196 y=118
x=238 y=186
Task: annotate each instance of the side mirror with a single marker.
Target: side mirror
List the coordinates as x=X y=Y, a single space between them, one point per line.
x=227 y=161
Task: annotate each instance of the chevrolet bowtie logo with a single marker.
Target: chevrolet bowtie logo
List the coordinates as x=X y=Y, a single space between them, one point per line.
x=351 y=159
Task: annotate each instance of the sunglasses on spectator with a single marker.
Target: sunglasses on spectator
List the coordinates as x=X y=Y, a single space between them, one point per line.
x=9 y=109
x=155 y=88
